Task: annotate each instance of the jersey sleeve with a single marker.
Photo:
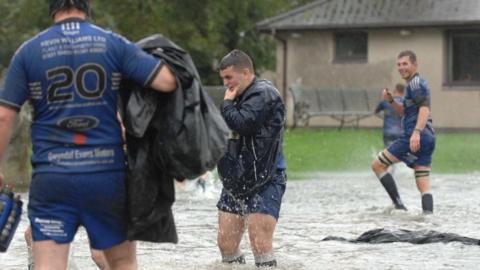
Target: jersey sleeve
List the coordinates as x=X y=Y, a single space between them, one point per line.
x=137 y=65
x=421 y=92
x=15 y=90
x=380 y=107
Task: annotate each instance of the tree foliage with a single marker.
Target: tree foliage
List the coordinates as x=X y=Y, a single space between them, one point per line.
x=208 y=29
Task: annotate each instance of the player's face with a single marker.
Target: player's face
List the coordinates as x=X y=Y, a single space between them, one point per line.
x=233 y=78
x=406 y=68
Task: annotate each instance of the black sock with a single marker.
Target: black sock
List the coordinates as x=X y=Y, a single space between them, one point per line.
x=389 y=185
x=272 y=263
x=240 y=260
x=427 y=203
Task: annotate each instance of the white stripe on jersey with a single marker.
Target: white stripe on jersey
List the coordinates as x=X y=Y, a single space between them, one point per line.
x=415 y=83
x=28 y=41
x=10 y=103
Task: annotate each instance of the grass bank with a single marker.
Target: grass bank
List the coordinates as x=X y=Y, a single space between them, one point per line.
x=312 y=150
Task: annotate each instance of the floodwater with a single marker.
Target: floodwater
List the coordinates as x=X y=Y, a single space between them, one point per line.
x=328 y=204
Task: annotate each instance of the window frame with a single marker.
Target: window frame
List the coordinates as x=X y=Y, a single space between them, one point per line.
x=346 y=60
x=449 y=66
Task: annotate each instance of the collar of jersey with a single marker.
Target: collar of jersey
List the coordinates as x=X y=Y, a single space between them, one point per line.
x=70 y=20
x=414 y=75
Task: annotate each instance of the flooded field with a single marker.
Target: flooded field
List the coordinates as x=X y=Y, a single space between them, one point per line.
x=328 y=204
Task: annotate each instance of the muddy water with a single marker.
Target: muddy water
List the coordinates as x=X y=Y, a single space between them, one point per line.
x=327 y=204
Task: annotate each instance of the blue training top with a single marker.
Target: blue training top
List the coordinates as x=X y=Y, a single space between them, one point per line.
x=392 y=121
x=71 y=73
x=417 y=95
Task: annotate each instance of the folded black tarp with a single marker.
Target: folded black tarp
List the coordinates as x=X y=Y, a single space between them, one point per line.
x=381 y=236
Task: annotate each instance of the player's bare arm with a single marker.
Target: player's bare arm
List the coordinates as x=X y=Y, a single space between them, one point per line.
x=423 y=114
x=7 y=121
x=165 y=81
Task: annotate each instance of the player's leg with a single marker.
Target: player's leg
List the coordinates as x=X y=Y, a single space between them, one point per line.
x=122 y=256
x=380 y=167
x=264 y=210
x=422 y=177
x=29 y=242
x=98 y=256
x=423 y=167
x=230 y=231
x=48 y=255
x=231 y=226
x=260 y=230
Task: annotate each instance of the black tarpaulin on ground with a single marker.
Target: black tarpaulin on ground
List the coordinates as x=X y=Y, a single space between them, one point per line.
x=382 y=236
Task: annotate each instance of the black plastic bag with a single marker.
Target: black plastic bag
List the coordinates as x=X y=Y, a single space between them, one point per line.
x=191 y=133
x=193 y=142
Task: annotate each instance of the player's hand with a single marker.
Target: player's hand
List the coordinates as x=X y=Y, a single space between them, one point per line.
x=415 y=142
x=231 y=93
x=386 y=95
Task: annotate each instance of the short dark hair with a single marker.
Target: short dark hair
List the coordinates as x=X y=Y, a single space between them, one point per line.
x=411 y=55
x=400 y=87
x=238 y=59
x=63 y=5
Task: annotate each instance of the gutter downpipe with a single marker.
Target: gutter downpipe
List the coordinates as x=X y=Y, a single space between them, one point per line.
x=284 y=67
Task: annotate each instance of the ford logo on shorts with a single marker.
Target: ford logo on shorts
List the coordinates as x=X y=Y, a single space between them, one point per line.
x=78 y=123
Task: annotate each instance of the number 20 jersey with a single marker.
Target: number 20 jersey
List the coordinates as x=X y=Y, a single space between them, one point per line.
x=71 y=73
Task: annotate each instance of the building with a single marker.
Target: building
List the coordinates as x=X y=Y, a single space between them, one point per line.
x=354 y=44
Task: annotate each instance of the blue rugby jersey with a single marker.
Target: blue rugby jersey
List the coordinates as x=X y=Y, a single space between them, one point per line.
x=71 y=73
x=417 y=94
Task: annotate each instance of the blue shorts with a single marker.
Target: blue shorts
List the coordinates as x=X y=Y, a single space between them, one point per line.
x=60 y=203
x=267 y=201
x=389 y=139
x=400 y=149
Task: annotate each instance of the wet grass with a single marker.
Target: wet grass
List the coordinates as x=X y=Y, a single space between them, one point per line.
x=311 y=150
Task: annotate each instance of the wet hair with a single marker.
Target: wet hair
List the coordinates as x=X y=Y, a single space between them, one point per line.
x=238 y=59
x=411 y=55
x=400 y=88
x=64 y=5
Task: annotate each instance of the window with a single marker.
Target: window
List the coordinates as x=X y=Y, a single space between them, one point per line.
x=463 y=65
x=351 y=47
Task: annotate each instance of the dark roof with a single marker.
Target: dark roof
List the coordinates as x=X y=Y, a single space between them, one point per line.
x=337 y=14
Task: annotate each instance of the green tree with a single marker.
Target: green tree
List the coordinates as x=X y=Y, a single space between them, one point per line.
x=207 y=29
x=20 y=20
